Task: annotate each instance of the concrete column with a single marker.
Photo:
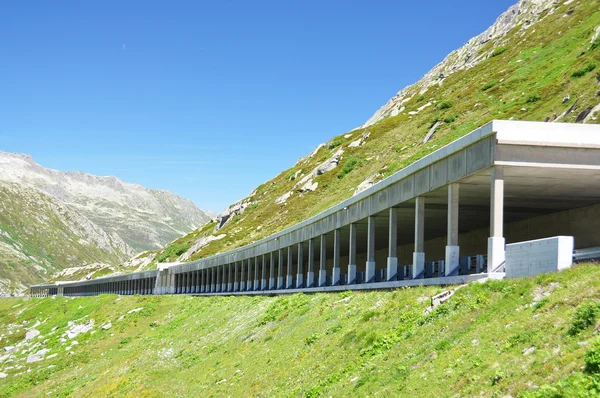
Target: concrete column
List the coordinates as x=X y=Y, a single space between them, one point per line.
x=300 y=274
x=418 y=266
x=323 y=262
x=280 y=269
x=452 y=249
x=352 y=255
x=219 y=272
x=256 y=273
x=236 y=287
x=243 y=277
x=337 y=243
x=249 y=283
x=202 y=281
x=310 y=276
x=370 y=266
x=290 y=264
x=263 y=284
x=392 y=260
x=496 y=241
x=271 y=271
x=172 y=284
x=229 y=278
x=224 y=280
x=213 y=280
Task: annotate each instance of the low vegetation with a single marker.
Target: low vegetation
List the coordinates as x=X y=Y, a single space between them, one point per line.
x=500 y=338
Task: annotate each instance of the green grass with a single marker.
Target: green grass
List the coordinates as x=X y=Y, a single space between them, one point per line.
x=343 y=344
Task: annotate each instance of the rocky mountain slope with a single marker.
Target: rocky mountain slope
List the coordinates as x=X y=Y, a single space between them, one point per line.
x=529 y=337
x=540 y=61
x=51 y=220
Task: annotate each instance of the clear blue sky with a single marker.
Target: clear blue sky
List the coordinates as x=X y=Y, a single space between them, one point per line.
x=209 y=99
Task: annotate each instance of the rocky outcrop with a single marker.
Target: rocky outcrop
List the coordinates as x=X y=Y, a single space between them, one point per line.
x=199 y=244
x=523 y=14
x=236 y=209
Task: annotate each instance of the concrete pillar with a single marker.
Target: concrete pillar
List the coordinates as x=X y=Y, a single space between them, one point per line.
x=224 y=280
x=236 y=286
x=370 y=266
x=243 y=277
x=496 y=241
x=352 y=255
x=323 y=261
x=249 y=282
x=452 y=249
x=256 y=273
x=263 y=284
x=310 y=275
x=418 y=265
x=280 y=269
x=229 y=278
x=392 y=260
x=271 y=271
x=218 y=271
x=201 y=281
x=290 y=264
x=300 y=274
x=213 y=280
x=337 y=243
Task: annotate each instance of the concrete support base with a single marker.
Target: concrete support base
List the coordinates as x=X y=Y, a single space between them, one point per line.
x=299 y=280
x=289 y=283
x=335 y=280
x=322 y=277
x=496 y=253
x=236 y=287
x=249 y=286
x=272 y=283
x=229 y=287
x=280 y=282
x=256 y=284
x=310 y=279
x=263 y=284
x=418 y=265
x=392 y=268
x=370 y=272
x=452 y=261
x=243 y=286
x=351 y=274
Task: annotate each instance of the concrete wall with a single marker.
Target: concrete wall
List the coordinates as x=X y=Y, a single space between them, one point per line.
x=538 y=256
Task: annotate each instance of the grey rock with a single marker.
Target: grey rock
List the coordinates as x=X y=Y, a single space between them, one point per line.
x=38 y=356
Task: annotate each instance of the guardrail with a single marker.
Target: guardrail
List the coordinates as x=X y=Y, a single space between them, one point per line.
x=592 y=253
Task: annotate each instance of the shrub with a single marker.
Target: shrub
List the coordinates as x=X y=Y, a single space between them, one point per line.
x=533 y=98
x=488 y=85
x=498 y=51
x=312 y=339
x=450 y=119
x=335 y=144
x=595 y=44
x=348 y=167
x=175 y=250
x=592 y=358
x=584 y=317
x=444 y=105
x=584 y=71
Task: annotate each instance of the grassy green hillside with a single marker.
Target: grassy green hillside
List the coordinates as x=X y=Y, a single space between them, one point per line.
x=549 y=71
x=526 y=337
x=39 y=236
